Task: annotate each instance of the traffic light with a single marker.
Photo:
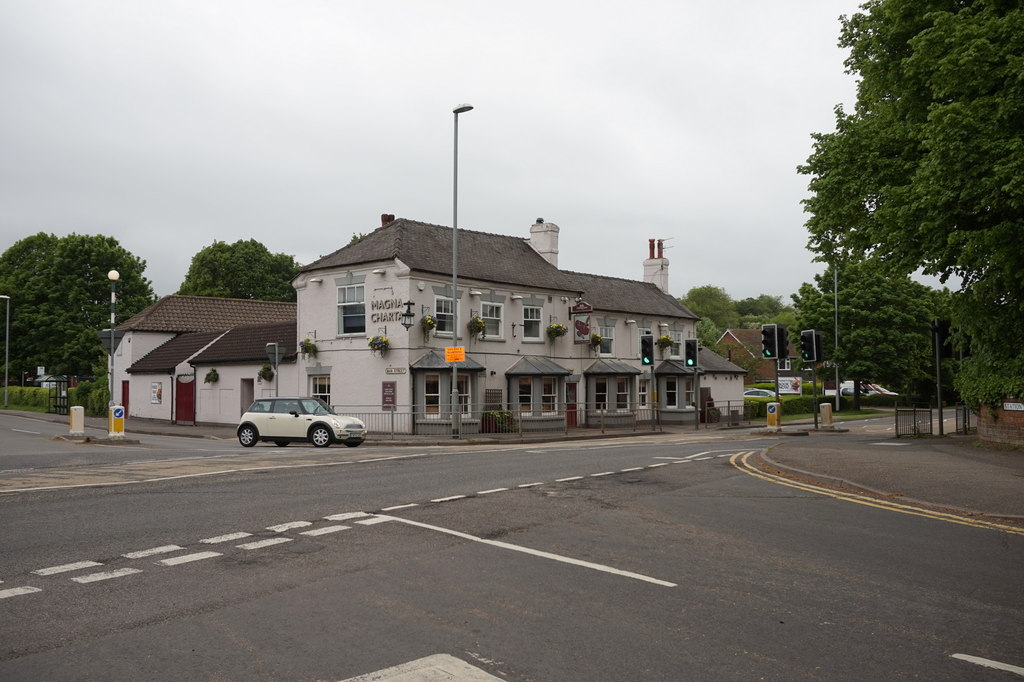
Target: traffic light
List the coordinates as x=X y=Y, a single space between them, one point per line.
x=647 y=349
x=769 y=344
x=808 y=346
x=690 y=352
x=782 y=340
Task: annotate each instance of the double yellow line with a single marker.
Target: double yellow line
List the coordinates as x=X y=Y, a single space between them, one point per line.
x=742 y=461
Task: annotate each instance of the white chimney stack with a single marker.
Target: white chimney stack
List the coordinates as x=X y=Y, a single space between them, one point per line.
x=544 y=240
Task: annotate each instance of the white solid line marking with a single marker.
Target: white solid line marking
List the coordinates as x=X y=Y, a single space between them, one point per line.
x=291 y=525
x=488 y=492
x=95 y=577
x=400 y=506
x=530 y=485
x=260 y=544
x=346 y=516
x=18 y=591
x=226 y=538
x=571 y=478
x=659 y=464
x=34 y=433
x=375 y=520
x=150 y=552
x=324 y=531
x=990 y=664
x=449 y=499
x=603 y=473
x=622 y=471
x=67 y=567
x=537 y=553
x=187 y=558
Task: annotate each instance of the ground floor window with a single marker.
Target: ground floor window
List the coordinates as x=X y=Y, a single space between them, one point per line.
x=549 y=394
x=611 y=393
x=671 y=392
x=525 y=395
x=643 y=394
x=320 y=387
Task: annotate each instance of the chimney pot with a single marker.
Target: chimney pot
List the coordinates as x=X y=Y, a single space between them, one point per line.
x=650 y=247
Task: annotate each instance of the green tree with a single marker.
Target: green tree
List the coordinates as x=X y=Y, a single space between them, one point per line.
x=713 y=303
x=60 y=299
x=928 y=170
x=708 y=334
x=245 y=269
x=884 y=323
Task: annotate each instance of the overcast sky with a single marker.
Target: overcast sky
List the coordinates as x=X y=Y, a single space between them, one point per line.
x=169 y=124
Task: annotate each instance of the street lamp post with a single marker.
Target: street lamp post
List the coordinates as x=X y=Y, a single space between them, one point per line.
x=456 y=407
x=7 y=346
x=113 y=276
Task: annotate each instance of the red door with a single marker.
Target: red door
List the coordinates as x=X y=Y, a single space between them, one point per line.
x=570 y=404
x=184 y=399
x=124 y=396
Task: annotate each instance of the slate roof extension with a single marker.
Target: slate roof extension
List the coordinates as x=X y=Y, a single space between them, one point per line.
x=165 y=358
x=627 y=296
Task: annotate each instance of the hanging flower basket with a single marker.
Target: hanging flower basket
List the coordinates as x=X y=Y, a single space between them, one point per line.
x=379 y=345
x=664 y=341
x=595 y=341
x=476 y=325
x=555 y=330
x=427 y=324
x=266 y=372
x=308 y=348
x=212 y=377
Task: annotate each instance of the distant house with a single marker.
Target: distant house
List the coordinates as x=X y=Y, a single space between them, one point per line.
x=743 y=345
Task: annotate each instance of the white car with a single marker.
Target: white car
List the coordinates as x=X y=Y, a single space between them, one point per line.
x=290 y=419
x=758 y=393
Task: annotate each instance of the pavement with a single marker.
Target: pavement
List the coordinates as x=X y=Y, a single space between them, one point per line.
x=952 y=472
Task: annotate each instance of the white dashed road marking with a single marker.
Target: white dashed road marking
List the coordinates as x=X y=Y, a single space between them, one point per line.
x=484 y=492
x=346 y=516
x=260 y=544
x=18 y=591
x=152 y=552
x=449 y=499
x=188 y=558
x=324 y=531
x=67 y=567
x=225 y=538
x=107 y=575
x=990 y=664
x=282 y=527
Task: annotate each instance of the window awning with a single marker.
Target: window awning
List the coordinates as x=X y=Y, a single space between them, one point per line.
x=610 y=367
x=536 y=365
x=435 y=361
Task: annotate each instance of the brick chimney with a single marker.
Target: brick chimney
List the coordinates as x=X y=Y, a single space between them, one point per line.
x=544 y=240
x=656 y=265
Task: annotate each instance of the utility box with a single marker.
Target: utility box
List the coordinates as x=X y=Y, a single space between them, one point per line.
x=826 y=415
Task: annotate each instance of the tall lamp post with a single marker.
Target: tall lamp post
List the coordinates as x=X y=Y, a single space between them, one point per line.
x=456 y=407
x=113 y=276
x=7 y=346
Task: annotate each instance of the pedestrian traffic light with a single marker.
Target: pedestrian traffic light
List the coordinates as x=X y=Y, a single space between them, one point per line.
x=690 y=352
x=809 y=346
x=769 y=344
x=782 y=340
x=647 y=349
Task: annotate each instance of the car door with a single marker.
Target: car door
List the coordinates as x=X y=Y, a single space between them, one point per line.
x=285 y=423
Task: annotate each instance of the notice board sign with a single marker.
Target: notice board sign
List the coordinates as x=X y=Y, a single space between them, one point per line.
x=388 y=395
x=455 y=354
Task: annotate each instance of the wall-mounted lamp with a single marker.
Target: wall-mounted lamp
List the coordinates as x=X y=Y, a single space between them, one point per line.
x=407 y=316
x=475 y=292
x=517 y=297
x=316 y=280
x=379 y=271
x=565 y=299
x=630 y=321
x=663 y=325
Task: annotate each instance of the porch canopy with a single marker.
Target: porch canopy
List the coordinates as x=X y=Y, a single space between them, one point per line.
x=674 y=367
x=611 y=367
x=536 y=365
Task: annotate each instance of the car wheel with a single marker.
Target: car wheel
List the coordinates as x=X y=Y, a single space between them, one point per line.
x=280 y=443
x=320 y=436
x=248 y=435
x=353 y=445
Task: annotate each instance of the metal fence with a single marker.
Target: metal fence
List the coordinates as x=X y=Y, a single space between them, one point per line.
x=407 y=420
x=964 y=419
x=914 y=421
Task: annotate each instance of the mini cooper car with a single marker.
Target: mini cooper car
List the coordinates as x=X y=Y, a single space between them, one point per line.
x=289 y=420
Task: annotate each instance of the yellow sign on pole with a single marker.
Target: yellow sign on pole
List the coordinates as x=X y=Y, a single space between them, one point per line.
x=455 y=354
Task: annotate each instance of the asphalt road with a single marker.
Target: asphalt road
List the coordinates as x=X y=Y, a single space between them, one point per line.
x=654 y=558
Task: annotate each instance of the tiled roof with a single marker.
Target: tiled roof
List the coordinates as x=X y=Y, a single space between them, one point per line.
x=434 y=360
x=204 y=314
x=164 y=359
x=610 y=367
x=627 y=296
x=249 y=344
x=428 y=248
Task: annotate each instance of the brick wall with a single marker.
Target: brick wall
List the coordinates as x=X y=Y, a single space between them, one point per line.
x=1001 y=426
